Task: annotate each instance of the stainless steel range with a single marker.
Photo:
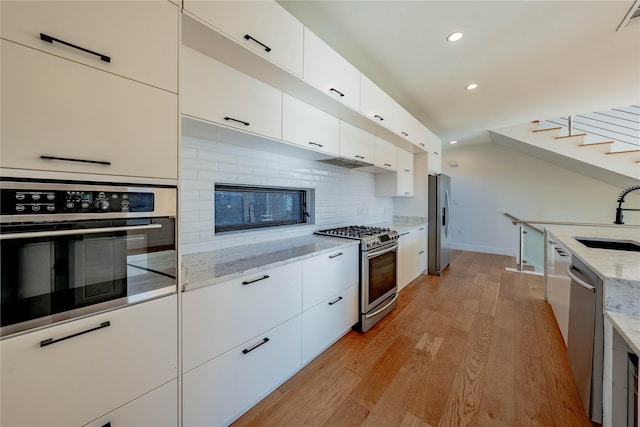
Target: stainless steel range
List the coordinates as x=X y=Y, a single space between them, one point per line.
x=378 y=269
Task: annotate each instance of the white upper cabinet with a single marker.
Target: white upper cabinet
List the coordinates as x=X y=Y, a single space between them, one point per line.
x=87 y=120
x=386 y=155
x=356 y=144
x=400 y=183
x=329 y=72
x=213 y=91
x=435 y=158
x=134 y=39
x=309 y=127
x=405 y=161
x=263 y=26
x=375 y=103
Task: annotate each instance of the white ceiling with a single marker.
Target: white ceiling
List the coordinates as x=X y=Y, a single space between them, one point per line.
x=531 y=59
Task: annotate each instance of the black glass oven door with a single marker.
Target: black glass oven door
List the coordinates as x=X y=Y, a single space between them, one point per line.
x=381 y=277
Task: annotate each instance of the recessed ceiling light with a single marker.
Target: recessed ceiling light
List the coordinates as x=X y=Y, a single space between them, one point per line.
x=454 y=37
x=471 y=86
x=453 y=142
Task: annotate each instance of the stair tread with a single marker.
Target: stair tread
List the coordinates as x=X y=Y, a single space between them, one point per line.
x=543 y=130
x=623 y=152
x=595 y=143
x=571 y=136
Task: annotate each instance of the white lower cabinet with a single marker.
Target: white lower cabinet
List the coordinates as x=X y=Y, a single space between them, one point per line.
x=158 y=408
x=93 y=365
x=412 y=255
x=326 y=274
x=323 y=324
x=218 y=392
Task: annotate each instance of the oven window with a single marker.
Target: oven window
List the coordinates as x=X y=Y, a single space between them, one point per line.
x=382 y=275
x=48 y=273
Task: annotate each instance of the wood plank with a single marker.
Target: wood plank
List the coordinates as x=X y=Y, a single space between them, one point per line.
x=349 y=413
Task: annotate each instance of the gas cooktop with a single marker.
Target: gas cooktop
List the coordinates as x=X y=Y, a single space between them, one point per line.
x=369 y=236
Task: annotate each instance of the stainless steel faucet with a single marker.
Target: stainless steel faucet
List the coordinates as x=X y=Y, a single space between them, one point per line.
x=619 y=218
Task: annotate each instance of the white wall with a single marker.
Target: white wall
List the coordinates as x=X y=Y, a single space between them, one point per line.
x=493 y=179
x=343 y=196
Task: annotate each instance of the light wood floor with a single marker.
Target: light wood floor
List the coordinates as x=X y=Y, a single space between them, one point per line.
x=477 y=346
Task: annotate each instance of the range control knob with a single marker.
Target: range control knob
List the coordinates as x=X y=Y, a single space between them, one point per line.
x=102 y=205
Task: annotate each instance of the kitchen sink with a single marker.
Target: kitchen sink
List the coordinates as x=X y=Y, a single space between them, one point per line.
x=618 y=245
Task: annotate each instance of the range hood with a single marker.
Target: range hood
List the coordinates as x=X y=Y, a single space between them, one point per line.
x=345 y=162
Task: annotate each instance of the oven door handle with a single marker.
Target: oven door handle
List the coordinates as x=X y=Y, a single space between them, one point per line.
x=370 y=315
x=55 y=233
x=382 y=250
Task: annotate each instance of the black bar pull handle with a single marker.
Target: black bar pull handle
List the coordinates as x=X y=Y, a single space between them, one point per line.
x=266 y=48
x=421 y=144
x=336 y=255
x=50 y=39
x=253 y=347
x=420 y=253
x=404 y=133
x=248 y=282
x=335 y=301
x=379 y=117
x=387 y=165
x=336 y=91
x=236 y=120
x=407 y=170
x=69 y=159
x=52 y=341
x=315 y=143
x=359 y=157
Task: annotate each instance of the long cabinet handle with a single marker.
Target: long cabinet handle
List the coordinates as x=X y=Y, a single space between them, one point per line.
x=403 y=234
x=237 y=121
x=253 y=347
x=71 y=159
x=266 y=48
x=379 y=117
x=50 y=39
x=336 y=255
x=336 y=301
x=387 y=165
x=421 y=144
x=420 y=253
x=359 y=157
x=315 y=143
x=248 y=282
x=404 y=133
x=579 y=281
x=54 y=233
x=336 y=91
x=53 y=341
x=370 y=315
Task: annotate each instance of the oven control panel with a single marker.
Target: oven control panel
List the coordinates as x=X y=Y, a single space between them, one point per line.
x=38 y=201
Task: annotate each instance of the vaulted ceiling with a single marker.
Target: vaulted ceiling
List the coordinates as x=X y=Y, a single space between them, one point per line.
x=530 y=59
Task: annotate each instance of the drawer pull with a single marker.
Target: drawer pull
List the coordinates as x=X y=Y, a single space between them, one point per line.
x=336 y=255
x=69 y=159
x=359 y=157
x=50 y=39
x=404 y=133
x=335 y=301
x=248 y=282
x=404 y=234
x=420 y=253
x=52 y=341
x=253 y=347
x=266 y=48
x=236 y=120
x=387 y=165
x=315 y=143
x=407 y=192
x=421 y=144
x=336 y=91
x=421 y=228
x=407 y=170
x=379 y=117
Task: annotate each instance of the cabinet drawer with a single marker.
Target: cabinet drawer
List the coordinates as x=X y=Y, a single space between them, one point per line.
x=76 y=380
x=328 y=321
x=82 y=113
x=262 y=26
x=216 y=393
x=222 y=316
x=213 y=91
x=326 y=274
x=158 y=408
x=109 y=28
x=309 y=127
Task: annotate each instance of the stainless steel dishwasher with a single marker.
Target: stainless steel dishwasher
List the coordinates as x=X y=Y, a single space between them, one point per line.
x=585 y=341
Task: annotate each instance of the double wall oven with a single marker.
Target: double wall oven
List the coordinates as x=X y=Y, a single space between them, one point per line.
x=378 y=270
x=72 y=249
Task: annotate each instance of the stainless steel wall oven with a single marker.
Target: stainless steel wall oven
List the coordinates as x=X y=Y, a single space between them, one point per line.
x=71 y=249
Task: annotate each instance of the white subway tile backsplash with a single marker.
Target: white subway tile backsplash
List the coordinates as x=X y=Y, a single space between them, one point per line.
x=342 y=196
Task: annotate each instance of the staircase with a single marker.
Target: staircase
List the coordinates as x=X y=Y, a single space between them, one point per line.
x=604 y=145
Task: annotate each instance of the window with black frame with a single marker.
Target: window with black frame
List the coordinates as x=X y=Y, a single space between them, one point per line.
x=239 y=207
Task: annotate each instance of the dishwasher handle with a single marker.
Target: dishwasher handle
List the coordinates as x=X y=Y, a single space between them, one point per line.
x=579 y=281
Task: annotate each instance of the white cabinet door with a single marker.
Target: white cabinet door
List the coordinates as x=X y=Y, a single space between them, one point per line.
x=213 y=91
x=91 y=367
x=329 y=72
x=323 y=324
x=326 y=274
x=309 y=127
x=158 y=408
x=375 y=103
x=404 y=125
x=221 y=316
x=559 y=288
x=434 y=162
x=262 y=26
x=412 y=255
x=405 y=161
x=111 y=29
x=81 y=113
x=356 y=144
x=386 y=155
x=218 y=392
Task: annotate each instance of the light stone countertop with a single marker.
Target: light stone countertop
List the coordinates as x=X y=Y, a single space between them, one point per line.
x=620 y=271
x=208 y=268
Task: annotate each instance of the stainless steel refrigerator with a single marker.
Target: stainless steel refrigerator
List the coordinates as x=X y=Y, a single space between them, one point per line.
x=439 y=223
